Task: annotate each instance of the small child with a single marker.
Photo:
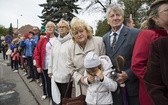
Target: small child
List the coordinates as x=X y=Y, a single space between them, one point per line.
x=15 y=59
x=98 y=78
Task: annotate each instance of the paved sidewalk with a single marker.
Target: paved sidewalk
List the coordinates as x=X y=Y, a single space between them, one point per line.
x=33 y=87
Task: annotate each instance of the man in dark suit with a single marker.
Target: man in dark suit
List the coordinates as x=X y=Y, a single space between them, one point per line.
x=120 y=41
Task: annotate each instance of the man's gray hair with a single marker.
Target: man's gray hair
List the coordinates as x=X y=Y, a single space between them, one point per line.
x=114 y=7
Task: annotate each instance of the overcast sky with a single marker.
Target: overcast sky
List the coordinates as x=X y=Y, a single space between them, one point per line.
x=11 y=10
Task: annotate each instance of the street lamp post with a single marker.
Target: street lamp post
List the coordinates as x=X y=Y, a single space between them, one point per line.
x=18 y=24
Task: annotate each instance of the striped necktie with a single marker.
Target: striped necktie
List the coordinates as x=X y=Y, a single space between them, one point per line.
x=114 y=41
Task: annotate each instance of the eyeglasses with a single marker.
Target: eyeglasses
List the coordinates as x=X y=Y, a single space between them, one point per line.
x=61 y=26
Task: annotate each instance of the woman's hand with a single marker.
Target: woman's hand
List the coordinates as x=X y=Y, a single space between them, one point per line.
x=82 y=79
x=50 y=75
x=39 y=70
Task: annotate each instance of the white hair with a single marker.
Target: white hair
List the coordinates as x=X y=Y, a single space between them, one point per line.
x=114 y=7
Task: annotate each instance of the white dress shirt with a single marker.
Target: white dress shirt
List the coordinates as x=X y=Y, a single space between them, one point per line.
x=112 y=36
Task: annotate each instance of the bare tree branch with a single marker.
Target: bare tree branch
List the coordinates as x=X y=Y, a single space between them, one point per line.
x=104 y=8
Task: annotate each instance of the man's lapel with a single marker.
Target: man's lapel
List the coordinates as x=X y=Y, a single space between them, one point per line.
x=108 y=40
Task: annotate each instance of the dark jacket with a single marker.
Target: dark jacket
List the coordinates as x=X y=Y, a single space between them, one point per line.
x=156 y=77
x=124 y=47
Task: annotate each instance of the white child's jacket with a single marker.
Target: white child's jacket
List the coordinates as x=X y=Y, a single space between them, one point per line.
x=100 y=92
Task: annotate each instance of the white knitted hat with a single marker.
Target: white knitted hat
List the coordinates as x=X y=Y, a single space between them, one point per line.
x=91 y=60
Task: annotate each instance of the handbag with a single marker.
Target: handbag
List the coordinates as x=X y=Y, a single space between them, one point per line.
x=55 y=92
x=79 y=100
x=9 y=51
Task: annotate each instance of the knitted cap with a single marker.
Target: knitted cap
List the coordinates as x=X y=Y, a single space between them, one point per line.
x=91 y=60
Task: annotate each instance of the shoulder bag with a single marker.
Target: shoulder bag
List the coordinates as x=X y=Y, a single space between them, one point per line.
x=79 y=100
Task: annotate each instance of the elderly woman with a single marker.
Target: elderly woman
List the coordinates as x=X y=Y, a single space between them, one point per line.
x=42 y=54
x=156 y=78
x=57 y=68
x=83 y=42
x=142 y=45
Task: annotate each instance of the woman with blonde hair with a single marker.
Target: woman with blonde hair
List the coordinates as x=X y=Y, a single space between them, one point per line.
x=83 y=42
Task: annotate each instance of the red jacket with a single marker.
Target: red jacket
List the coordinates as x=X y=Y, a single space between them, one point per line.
x=40 y=52
x=140 y=58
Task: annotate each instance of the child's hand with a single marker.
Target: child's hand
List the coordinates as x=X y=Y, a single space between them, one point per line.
x=91 y=79
x=99 y=74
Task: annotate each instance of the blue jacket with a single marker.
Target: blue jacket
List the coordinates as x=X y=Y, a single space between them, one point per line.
x=12 y=47
x=29 y=45
x=36 y=38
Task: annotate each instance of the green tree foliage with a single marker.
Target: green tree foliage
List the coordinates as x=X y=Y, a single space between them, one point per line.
x=133 y=7
x=42 y=28
x=3 y=31
x=54 y=10
x=102 y=28
x=10 y=30
x=137 y=8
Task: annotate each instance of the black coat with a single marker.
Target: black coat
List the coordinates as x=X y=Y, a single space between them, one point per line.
x=124 y=47
x=156 y=77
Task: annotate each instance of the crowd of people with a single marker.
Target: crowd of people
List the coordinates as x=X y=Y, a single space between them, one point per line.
x=73 y=51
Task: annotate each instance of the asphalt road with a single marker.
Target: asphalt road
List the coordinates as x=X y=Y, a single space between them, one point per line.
x=13 y=90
